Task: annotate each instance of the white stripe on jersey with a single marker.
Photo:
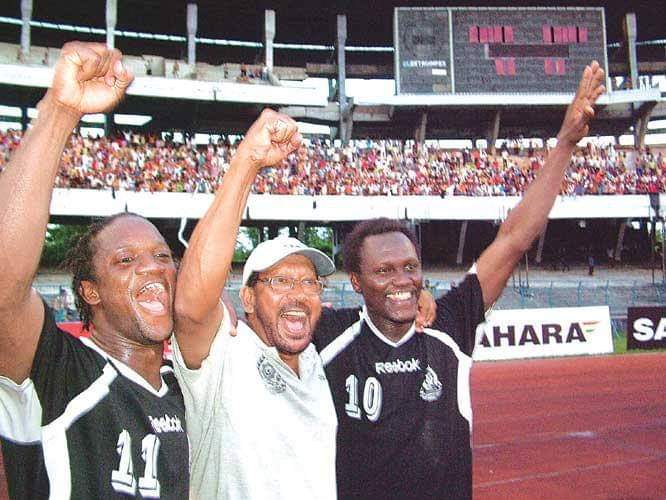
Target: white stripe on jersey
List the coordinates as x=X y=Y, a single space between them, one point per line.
x=128 y=372
x=464 y=368
x=20 y=411
x=54 y=437
x=340 y=343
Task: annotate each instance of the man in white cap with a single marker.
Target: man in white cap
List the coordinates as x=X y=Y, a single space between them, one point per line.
x=281 y=313
x=263 y=424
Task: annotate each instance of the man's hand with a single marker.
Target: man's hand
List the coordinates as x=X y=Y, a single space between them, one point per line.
x=270 y=139
x=89 y=78
x=579 y=113
x=427 y=309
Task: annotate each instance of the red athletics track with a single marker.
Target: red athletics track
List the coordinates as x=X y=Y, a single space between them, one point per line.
x=589 y=427
x=565 y=428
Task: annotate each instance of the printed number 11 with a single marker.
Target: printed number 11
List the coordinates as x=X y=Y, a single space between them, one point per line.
x=122 y=479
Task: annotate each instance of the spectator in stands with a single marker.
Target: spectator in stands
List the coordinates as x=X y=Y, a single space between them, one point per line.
x=244 y=77
x=61 y=305
x=362 y=168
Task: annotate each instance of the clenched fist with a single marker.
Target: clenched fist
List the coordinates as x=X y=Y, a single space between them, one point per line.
x=89 y=78
x=270 y=139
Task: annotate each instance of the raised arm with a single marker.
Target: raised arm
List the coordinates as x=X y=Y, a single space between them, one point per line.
x=206 y=263
x=526 y=221
x=88 y=79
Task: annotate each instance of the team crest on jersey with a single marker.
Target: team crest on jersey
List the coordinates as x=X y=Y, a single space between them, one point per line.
x=431 y=388
x=270 y=375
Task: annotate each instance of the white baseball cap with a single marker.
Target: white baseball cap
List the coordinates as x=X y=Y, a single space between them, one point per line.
x=270 y=252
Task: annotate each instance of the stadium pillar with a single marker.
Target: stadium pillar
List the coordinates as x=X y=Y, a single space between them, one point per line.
x=343 y=104
x=643 y=114
x=109 y=125
x=337 y=241
x=111 y=20
x=461 y=242
x=301 y=231
x=620 y=241
x=493 y=131
x=24 y=118
x=26 y=16
x=630 y=31
x=269 y=29
x=420 y=132
x=542 y=239
x=191 y=34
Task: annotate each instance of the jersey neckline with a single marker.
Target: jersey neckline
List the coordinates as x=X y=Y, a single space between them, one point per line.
x=126 y=371
x=405 y=338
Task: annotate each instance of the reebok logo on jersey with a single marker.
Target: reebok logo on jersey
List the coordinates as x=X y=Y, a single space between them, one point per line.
x=431 y=388
x=166 y=424
x=398 y=366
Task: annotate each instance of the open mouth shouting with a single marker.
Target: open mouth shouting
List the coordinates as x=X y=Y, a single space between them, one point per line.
x=295 y=322
x=153 y=298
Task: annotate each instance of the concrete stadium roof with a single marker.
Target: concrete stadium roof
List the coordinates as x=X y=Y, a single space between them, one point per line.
x=370 y=23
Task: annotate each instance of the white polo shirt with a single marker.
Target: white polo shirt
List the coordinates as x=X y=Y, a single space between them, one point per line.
x=258 y=431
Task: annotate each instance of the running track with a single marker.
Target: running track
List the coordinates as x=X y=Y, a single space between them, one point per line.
x=569 y=428
x=566 y=428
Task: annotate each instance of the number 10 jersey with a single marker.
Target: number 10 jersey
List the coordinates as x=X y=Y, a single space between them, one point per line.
x=404 y=410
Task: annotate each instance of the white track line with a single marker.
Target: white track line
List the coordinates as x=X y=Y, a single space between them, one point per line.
x=545 y=475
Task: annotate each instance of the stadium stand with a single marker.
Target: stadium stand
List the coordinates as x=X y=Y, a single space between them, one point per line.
x=137 y=162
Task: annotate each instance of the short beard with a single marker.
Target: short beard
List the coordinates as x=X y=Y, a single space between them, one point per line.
x=273 y=340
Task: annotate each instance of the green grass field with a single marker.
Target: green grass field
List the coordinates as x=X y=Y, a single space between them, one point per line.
x=620 y=346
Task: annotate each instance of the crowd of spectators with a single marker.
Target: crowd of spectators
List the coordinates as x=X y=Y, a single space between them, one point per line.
x=151 y=163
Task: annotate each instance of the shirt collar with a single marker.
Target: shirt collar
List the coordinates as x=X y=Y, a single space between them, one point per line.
x=408 y=335
x=305 y=359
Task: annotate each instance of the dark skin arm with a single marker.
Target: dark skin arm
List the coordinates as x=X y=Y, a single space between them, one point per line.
x=528 y=218
x=88 y=78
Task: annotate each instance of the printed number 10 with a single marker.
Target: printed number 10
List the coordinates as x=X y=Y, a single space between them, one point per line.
x=372 y=398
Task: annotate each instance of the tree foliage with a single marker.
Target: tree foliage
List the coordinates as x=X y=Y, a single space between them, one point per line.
x=320 y=238
x=59 y=239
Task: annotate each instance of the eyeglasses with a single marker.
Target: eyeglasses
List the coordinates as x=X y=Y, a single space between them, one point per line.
x=282 y=284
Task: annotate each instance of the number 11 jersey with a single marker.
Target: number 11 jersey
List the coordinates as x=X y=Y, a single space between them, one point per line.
x=87 y=426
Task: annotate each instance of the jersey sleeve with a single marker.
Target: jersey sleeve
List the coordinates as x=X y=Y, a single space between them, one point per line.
x=460 y=311
x=62 y=368
x=332 y=323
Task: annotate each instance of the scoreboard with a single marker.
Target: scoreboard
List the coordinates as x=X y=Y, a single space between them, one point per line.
x=495 y=50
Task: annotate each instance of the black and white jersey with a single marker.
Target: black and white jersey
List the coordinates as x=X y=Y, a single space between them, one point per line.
x=404 y=409
x=85 y=426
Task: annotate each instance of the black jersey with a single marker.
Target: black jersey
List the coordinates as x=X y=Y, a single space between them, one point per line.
x=85 y=426
x=404 y=409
